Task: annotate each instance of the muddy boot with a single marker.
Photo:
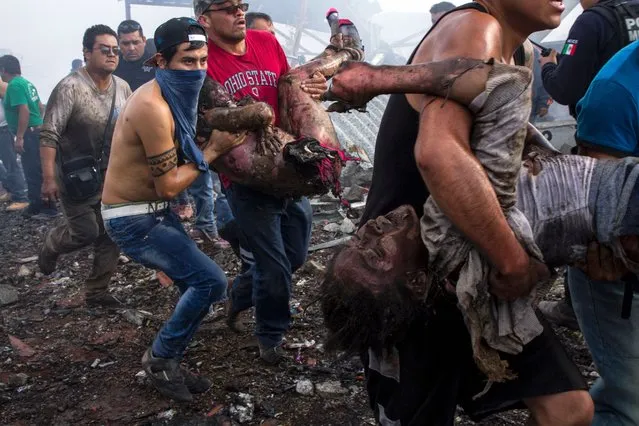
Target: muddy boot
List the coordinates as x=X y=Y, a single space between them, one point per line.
x=273 y=355
x=560 y=313
x=47 y=260
x=195 y=383
x=233 y=315
x=166 y=376
x=233 y=320
x=211 y=243
x=102 y=300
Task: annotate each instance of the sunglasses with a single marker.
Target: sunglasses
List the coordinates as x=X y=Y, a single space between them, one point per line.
x=231 y=10
x=128 y=28
x=107 y=50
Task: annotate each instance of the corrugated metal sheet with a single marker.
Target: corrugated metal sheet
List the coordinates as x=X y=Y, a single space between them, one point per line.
x=358 y=128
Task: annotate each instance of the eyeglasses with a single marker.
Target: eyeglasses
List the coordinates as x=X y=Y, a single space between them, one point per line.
x=231 y=10
x=107 y=50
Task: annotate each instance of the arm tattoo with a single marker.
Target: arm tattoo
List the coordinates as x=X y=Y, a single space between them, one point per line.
x=163 y=163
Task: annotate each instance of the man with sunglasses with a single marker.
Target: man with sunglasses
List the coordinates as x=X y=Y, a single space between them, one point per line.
x=133 y=53
x=277 y=230
x=79 y=122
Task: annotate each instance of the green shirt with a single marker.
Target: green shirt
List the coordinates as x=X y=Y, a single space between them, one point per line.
x=21 y=92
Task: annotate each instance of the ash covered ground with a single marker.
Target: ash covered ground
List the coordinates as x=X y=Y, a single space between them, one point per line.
x=62 y=363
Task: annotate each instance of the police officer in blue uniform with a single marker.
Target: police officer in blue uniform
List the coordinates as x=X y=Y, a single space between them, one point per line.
x=605 y=27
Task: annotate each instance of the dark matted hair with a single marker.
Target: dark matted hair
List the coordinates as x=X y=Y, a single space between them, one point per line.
x=252 y=16
x=358 y=319
x=444 y=6
x=10 y=64
x=93 y=32
x=170 y=52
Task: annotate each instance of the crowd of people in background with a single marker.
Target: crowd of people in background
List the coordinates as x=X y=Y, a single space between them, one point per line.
x=57 y=162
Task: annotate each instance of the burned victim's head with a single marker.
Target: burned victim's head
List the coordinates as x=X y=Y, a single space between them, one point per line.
x=376 y=285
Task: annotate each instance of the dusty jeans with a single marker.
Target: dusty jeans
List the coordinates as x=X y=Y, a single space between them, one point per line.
x=14 y=180
x=614 y=345
x=33 y=171
x=277 y=233
x=159 y=241
x=202 y=192
x=82 y=226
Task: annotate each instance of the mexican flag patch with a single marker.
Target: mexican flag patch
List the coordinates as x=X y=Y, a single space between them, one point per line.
x=569 y=48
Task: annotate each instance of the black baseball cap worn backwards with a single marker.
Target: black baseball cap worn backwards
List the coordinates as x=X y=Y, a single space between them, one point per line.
x=176 y=31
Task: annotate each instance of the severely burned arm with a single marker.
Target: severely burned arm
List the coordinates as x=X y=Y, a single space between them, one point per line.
x=218 y=111
x=255 y=116
x=458 y=78
x=454 y=176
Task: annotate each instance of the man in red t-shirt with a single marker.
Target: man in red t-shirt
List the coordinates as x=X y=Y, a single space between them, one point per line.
x=277 y=231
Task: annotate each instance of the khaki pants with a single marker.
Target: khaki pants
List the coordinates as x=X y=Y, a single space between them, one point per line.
x=83 y=226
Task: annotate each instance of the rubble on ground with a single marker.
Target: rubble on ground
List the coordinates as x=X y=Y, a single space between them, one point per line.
x=304 y=387
x=331 y=389
x=8 y=295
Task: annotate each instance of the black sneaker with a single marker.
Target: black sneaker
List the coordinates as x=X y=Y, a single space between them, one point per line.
x=102 y=300
x=215 y=244
x=45 y=214
x=273 y=355
x=195 y=383
x=30 y=211
x=166 y=377
x=47 y=260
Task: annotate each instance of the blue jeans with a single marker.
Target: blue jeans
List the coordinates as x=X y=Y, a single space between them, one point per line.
x=277 y=233
x=159 y=241
x=614 y=344
x=223 y=214
x=202 y=192
x=13 y=181
x=33 y=172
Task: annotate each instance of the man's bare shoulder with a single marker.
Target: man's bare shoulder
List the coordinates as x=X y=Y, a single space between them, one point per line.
x=469 y=33
x=147 y=105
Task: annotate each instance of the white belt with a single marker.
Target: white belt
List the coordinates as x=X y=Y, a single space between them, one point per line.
x=133 y=210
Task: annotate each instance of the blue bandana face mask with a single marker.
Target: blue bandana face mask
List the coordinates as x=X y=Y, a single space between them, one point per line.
x=181 y=90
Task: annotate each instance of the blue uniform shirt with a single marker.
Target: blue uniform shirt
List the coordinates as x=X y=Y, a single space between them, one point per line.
x=608 y=115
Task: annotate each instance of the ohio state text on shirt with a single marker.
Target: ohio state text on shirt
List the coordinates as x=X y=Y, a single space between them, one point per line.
x=256 y=73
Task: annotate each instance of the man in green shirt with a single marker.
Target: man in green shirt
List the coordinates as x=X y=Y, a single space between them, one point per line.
x=24 y=111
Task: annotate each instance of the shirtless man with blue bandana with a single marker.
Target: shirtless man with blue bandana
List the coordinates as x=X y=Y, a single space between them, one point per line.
x=154 y=158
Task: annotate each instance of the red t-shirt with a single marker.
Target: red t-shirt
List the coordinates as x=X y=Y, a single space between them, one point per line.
x=256 y=73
